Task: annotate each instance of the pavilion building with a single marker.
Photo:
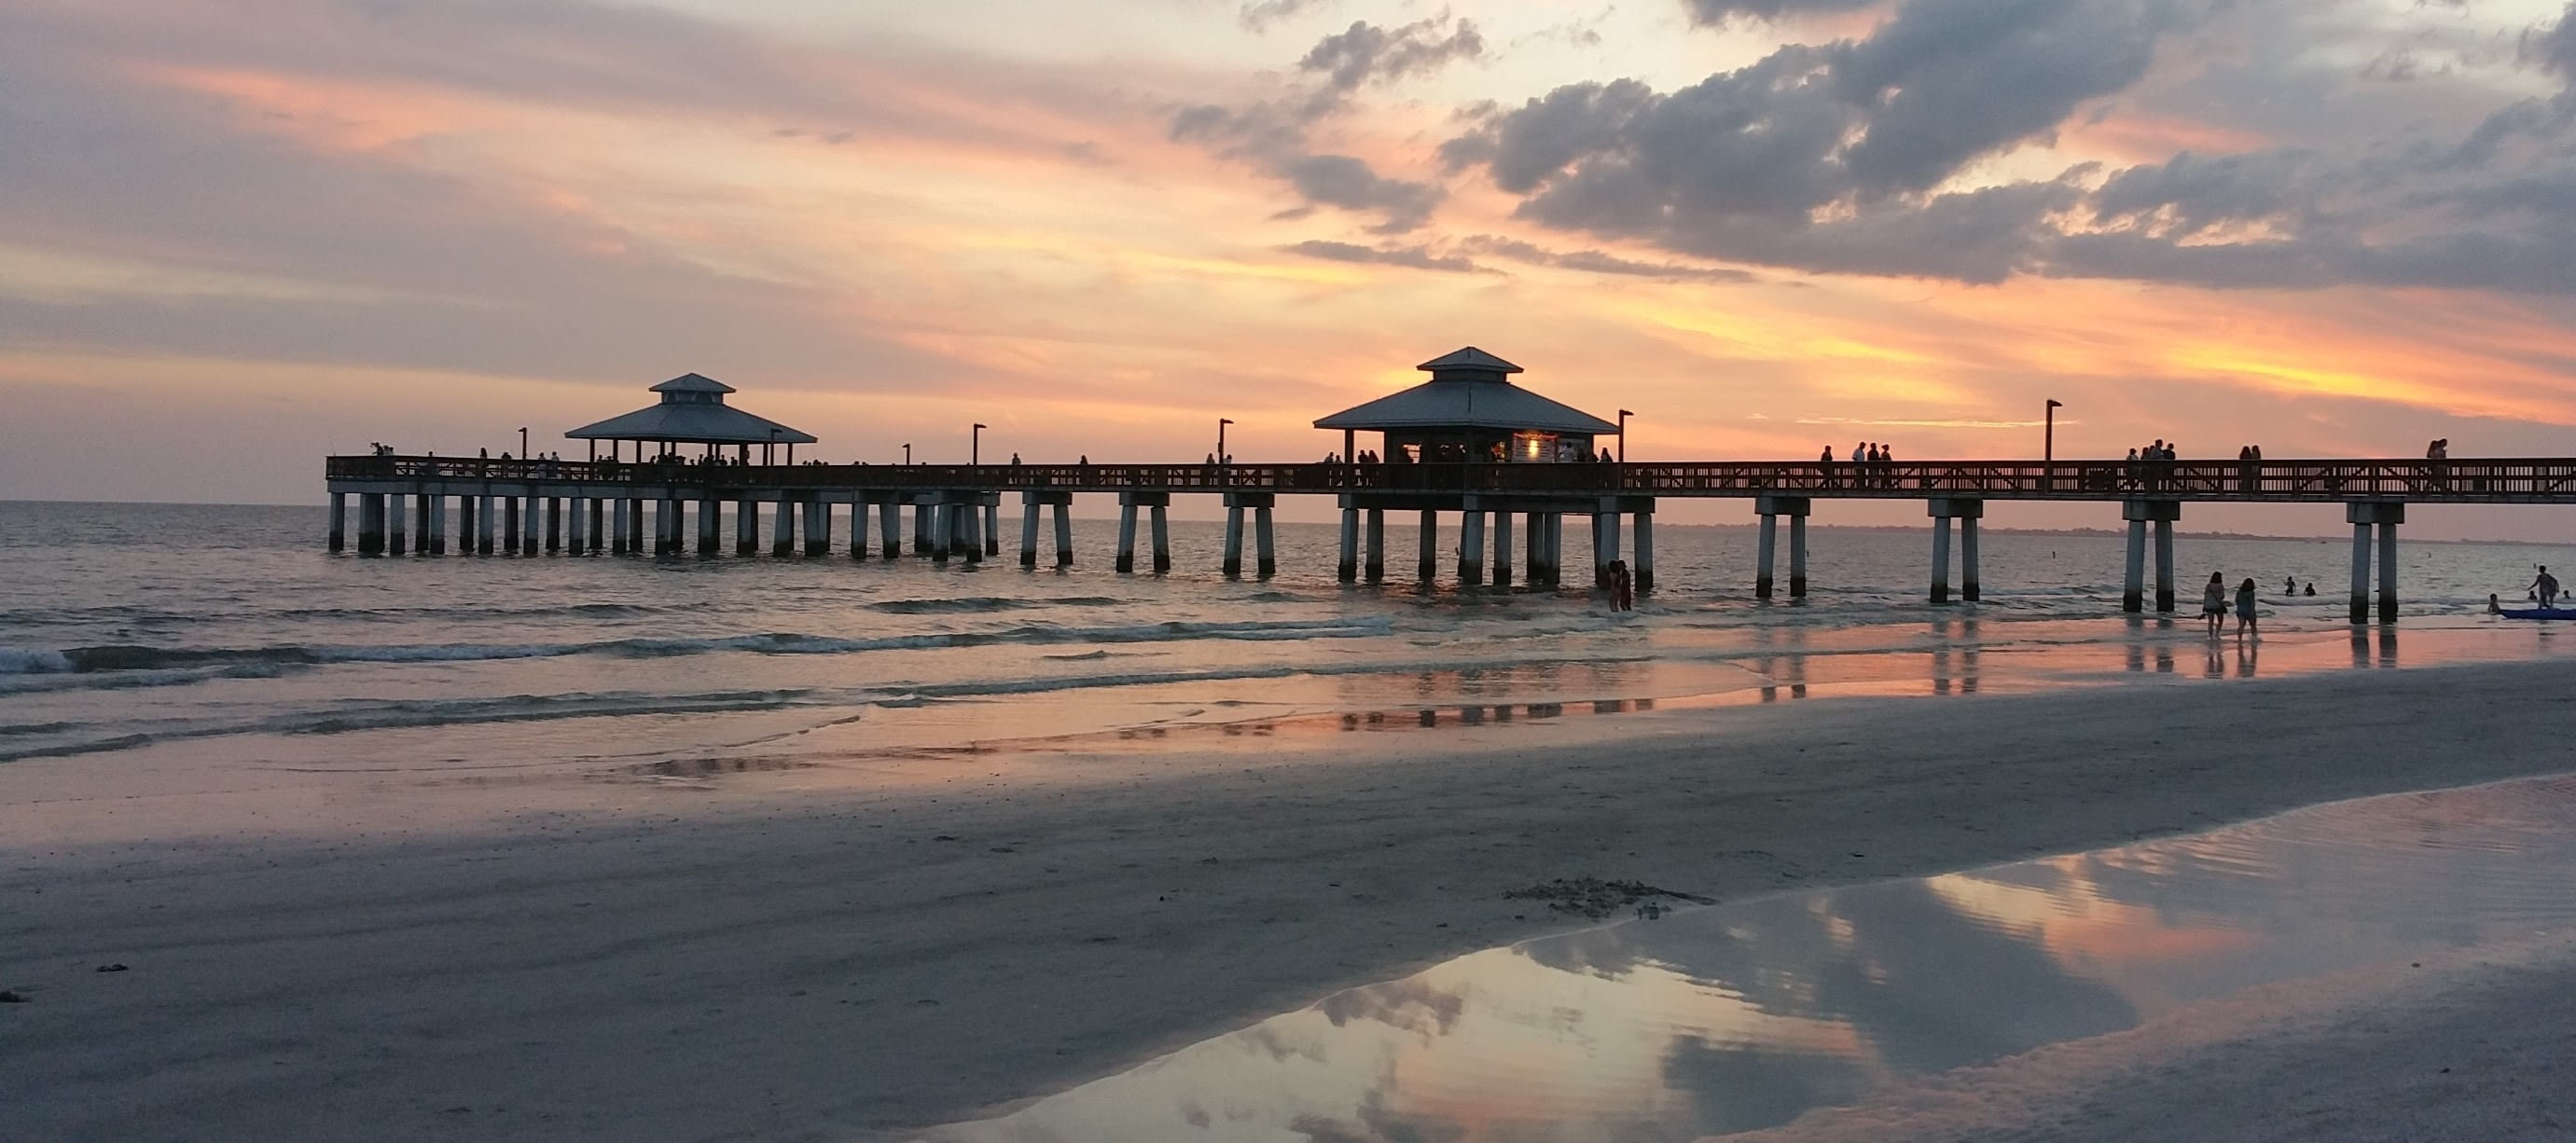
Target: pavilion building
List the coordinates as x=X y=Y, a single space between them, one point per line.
x=693 y=412
x=1470 y=411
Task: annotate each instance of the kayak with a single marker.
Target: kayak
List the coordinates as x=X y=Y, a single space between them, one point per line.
x=2539 y=613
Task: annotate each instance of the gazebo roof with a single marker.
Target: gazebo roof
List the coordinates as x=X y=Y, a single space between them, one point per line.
x=1468 y=389
x=692 y=411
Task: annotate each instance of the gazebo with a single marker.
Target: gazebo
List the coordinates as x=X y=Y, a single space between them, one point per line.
x=1470 y=411
x=692 y=411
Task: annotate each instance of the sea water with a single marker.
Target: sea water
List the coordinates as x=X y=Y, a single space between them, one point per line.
x=127 y=631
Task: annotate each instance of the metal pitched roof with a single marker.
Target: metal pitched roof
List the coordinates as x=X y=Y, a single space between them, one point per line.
x=692 y=410
x=693 y=383
x=1468 y=389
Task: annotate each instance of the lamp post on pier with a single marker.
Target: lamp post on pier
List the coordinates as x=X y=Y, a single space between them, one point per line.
x=907 y=454
x=1623 y=435
x=1221 y=423
x=975 y=445
x=2048 y=446
x=523 y=442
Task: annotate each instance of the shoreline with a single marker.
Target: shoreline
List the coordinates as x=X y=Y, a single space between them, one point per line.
x=869 y=960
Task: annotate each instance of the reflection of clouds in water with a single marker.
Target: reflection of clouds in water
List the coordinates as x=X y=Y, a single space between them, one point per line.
x=1744 y=1016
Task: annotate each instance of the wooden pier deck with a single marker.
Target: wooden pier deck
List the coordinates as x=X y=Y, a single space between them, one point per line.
x=956 y=508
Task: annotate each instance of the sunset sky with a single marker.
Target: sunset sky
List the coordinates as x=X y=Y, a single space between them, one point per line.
x=237 y=236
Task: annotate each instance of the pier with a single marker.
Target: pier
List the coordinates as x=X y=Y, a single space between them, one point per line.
x=667 y=505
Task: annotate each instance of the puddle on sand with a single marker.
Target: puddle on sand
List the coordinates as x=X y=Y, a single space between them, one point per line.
x=1744 y=1016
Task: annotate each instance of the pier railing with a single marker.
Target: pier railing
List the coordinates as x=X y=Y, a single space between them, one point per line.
x=2473 y=481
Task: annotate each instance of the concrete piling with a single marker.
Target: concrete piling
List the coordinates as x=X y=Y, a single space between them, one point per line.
x=818 y=527
x=1642 y=569
x=1162 y=534
x=424 y=536
x=782 y=531
x=1374 y=563
x=1126 y=564
x=1028 y=529
x=371 y=524
x=1265 y=552
x=2364 y=515
x=1231 y=566
x=1427 y=567
x=993 y=527
x=1064 y=531
x=1472 y=546
x=1605 y=540
x=436 y=532
x=859 y=528
x=890 y=529
x=710 y=527
x=1764 y=549
x=394 y=524
x=483 y=525
x=1798 y=556
x=2139 y=514
x=1966 y=512
x=554 y=524
x=339 y=521
x=1502 y=569
x=510 y=525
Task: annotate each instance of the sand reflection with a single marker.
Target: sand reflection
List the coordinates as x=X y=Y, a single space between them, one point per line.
x=1745 y=1016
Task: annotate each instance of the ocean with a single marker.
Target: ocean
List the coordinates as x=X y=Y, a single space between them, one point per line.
x=228 y=632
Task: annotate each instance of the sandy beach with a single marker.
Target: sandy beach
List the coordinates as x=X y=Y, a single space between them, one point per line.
x=861 y=950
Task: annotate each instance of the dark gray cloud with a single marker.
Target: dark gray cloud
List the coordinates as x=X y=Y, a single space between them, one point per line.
x=1846 y=157
x=1723 y=11
x=1595 y=261
x=1416 y=257
x=1365 y=52
x=1274 y=135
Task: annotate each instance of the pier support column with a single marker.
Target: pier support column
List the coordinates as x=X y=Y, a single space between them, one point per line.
x=575 y=540
x=890 y=529
x=710 y=527
x=1346 y=558
x=1265 y=547
x=1028 y=529
x=2164 y=566
x=1427 y=563
x=2386 y=515
x=2140 y=513
x=1162 y=535
x=1605 y=541
x=1642 y=573
x=1471 y=546
x=1943 y=510
x=621 y=538
x=1797 y=556
x=993 y=527
x=666 y=526
x=943 y=529
x=554 y=524
x=422 y=536
x=782 y=531
x=1232 y=565
x=1764 y=552
x=970 y=539
x=510 y=524
x=434 y=534
x=599 y=508
x=530 y=528
x=1259 y=503
x=634 y=525
x=1502 y=549
x=924 y=516
x=339 y=521
x=1968 y=558
x=1373 y=557
x=1126 y=564
x=746 y=527
x=394 y=524
x=483 y=525
x=371 y=524
x=1064 y=531
x=818 y=527
x=859 y=528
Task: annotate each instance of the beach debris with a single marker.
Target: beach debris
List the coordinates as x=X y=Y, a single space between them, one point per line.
x=12 y=996
x=1595 y=898
x=111 y=968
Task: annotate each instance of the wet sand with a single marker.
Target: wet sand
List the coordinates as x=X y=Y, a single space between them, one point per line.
x=850 y=953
